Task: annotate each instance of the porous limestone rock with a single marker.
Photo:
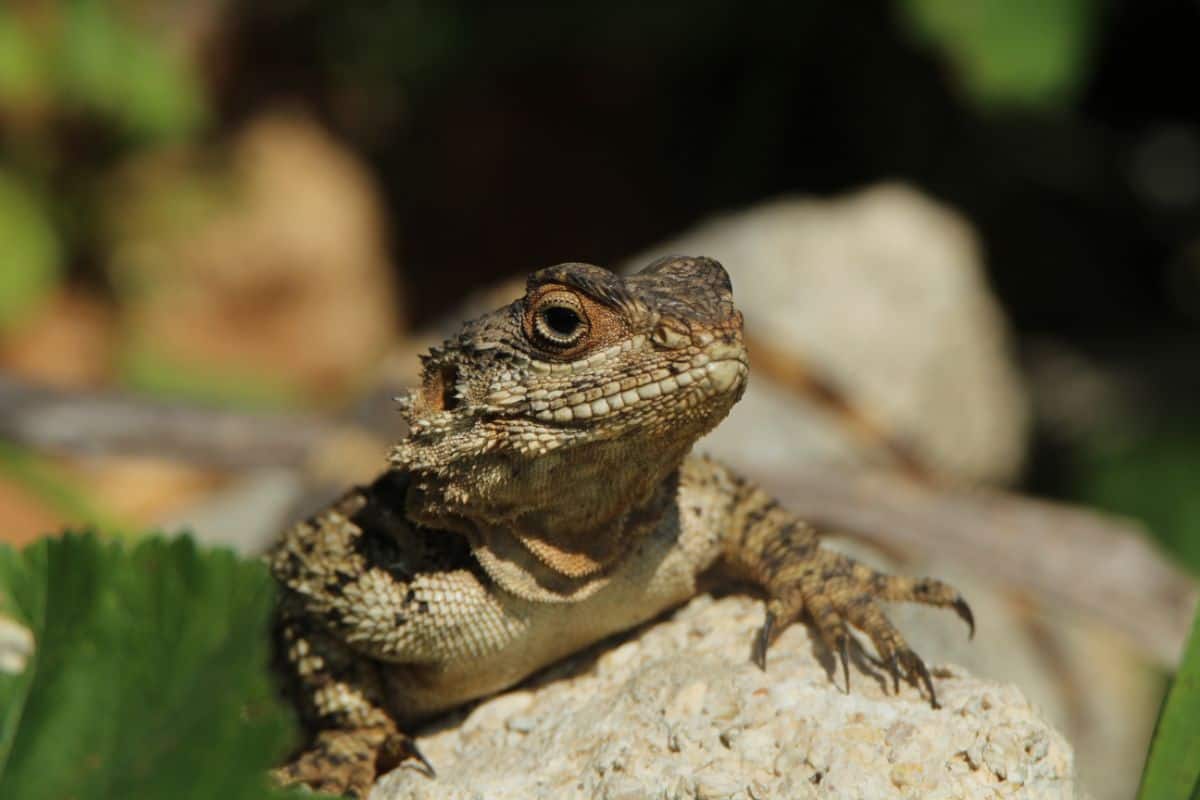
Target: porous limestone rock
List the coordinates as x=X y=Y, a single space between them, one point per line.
x=679 y=711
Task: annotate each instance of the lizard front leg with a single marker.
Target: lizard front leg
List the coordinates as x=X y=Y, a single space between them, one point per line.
x=779 y=553
x=340 y=697
x=340 y=616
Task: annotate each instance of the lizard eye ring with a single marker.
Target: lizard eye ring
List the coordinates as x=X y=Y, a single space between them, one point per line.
x=559 y=320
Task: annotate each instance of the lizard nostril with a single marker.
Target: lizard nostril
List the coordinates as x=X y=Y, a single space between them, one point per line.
x=724 y=374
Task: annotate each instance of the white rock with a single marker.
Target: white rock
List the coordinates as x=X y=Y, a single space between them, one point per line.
x=679 y=711
x=884 y=292
x=16 y=646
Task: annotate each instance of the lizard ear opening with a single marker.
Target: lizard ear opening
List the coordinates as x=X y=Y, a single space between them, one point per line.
x=438 y=388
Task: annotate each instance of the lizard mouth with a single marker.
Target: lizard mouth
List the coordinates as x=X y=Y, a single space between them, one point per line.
x=706 y=376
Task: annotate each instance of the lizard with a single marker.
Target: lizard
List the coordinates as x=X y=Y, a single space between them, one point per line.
x=545 y=498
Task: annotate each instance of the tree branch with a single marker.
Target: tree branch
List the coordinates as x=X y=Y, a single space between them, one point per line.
x=103 y=423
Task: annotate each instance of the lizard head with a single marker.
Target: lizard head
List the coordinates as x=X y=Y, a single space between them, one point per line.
x=576 y=401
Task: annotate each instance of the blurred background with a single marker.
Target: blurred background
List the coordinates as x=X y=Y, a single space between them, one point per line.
x=980 y=219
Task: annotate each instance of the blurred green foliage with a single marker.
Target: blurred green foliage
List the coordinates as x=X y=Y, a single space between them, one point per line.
x=21 y=68
x=87 y=57
x=149 y=678
x=1151 y=476
x=1173 y=766
x=1011 y=53
x=146 y=370
x=82 y=82
x=29 y=249
x=59 y=491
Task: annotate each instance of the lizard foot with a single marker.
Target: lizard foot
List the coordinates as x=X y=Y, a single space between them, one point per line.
x=840 y=592
x=346 y=762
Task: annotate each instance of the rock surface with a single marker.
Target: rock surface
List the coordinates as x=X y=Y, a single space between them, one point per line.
x=883 y=291
x=678 y=711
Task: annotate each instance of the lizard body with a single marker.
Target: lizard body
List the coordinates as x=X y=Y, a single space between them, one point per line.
x=544 y=499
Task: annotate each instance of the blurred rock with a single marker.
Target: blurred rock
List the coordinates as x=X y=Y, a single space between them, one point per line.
x=247 y=516
x=68 y=343
x=133 y=493
x=23 y=515
x=16 y=646
x=680 y=711
x=142 y=490
x=256 y=505
x=883 y=292
x=1075 y=396
x=271 y=267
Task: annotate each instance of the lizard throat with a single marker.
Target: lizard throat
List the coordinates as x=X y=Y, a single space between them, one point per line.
x=573 y=567
x=574 y=559
x=516 y=569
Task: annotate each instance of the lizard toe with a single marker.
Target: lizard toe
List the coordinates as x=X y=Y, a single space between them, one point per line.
x=927 y=591
x=842 y=593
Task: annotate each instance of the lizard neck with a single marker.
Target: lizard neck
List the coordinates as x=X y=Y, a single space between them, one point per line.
x=563 y=544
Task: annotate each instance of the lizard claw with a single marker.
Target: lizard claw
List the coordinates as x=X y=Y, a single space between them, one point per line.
x=401 y=750
x=842 y=594
x=844 y=654
x=894 y=668
x=964 y=612
x=763 y=641
x=420 y=762
x=916 y=669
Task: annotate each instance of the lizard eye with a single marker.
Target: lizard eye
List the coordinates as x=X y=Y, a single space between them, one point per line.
x=559 y=320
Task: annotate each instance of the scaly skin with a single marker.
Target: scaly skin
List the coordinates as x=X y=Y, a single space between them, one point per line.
x=545 y=499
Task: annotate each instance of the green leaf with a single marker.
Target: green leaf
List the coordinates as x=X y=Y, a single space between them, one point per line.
x=29 y=250
x=1173 y=766
x=1150 y=476
x=1011 y=52
x=149 y=677
x=23 y=73
x=110 y=64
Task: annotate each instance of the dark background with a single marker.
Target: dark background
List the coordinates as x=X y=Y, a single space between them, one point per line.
x=518 y=135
